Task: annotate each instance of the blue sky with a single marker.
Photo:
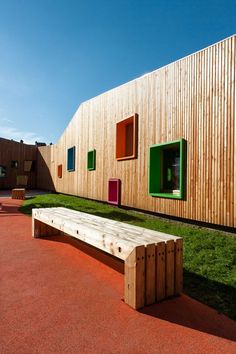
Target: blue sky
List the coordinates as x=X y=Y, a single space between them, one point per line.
x=55 y=54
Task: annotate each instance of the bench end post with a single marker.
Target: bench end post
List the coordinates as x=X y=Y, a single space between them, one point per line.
x=135 y=278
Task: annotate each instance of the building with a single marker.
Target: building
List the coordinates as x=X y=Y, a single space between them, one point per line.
x=164 y=142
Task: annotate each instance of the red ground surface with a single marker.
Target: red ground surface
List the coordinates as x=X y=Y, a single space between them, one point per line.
x=58 y=296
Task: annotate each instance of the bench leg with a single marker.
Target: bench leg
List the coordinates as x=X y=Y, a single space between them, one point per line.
x=135 y=278
x=178 y=267
x=39 y=229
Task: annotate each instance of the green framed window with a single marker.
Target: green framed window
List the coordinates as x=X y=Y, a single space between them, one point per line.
x=166 y=169
x=71 y=159
x=91 y=160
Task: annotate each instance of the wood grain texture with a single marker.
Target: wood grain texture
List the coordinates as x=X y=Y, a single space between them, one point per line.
x=152 y=269
x=135 y=278
x=150 y=276
x=178 y=267
x=192 y=98
x=13 y=151
x=160 y=271
x=170 y=268
x=18 y=193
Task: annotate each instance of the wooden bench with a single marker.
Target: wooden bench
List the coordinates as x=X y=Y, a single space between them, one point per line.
x=18 y=193
x=153 y=260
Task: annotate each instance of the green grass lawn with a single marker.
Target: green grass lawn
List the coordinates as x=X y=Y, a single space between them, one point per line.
x=209 y=255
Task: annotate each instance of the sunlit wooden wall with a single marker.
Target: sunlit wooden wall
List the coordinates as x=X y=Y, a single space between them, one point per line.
x=193 y=98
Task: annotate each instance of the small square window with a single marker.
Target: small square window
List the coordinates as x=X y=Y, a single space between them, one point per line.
x=22 y=181
x=71 y=159
x=3 y=171
x=166 y=169
x=114 y=191
x=59 y=171
x=27 y=165
x=127 y=138
x=14 y=164
x=91 y=160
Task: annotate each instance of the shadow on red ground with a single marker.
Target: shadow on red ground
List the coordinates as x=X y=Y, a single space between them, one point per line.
x=9 y=210
x=187 y=312
x=60 y=295
x=181 y=310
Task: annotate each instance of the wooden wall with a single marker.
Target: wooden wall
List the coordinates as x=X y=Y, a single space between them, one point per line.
x=194 y=99
x=44 y=174
x=13 y=151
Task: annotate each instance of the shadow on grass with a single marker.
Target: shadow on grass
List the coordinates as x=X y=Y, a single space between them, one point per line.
x=27 y=209
x=119 y=216
x=109 y=214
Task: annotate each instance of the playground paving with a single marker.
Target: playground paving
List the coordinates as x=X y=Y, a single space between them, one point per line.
x=60 y=296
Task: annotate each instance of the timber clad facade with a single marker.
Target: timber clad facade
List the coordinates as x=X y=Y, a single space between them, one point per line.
x=18 y=164
x=192 y=103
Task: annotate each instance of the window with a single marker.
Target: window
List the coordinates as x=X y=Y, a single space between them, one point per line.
x=27 y=165
x=71 y=159
x=21 y=181
x=127 y=138
x=59 y=171
x=114 y=191
x=91 y=160
x=14 y=164
x=166 y=169
x=3 y=171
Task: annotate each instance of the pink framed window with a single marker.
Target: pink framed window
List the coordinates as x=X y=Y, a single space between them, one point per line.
x=114 y=191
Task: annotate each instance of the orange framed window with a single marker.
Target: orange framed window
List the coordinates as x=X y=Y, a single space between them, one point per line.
x=127 y=138
x=59 y=171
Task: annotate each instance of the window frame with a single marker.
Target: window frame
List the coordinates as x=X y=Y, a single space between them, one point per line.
x=92 y=153
x=5 y=168
x=59 y=171
x=117 y=182
x=155 y=174
x=14 y=164
x=121 y=138
x=71 y=168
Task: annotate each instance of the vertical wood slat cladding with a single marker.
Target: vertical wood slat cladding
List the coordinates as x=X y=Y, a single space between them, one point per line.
x=194 y=99
x=14 y=151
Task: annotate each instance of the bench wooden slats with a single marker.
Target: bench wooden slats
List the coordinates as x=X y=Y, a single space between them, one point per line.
x=18 y=193
x=153 y=260
x=150 y=274
x=160 y=271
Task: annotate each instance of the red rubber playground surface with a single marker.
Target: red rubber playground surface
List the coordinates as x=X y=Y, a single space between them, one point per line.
x=58 y=296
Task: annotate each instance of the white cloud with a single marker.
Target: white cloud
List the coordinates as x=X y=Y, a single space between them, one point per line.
x=6 y=120
x=13 y=133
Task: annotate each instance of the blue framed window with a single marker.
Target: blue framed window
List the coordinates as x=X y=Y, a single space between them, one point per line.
x=71 y=159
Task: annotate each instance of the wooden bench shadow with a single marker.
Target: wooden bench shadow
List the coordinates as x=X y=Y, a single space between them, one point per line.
x=191 y=309
x=9 y=210
x=183 y=310
x=103 y=257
